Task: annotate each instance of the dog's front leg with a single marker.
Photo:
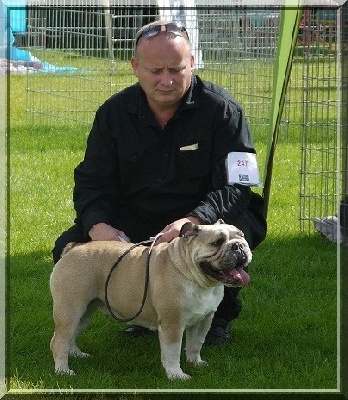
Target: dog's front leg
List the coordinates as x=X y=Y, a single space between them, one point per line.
x=170 y=337
x=195 y=336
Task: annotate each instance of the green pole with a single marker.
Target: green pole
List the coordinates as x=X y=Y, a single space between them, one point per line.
x=288 y=31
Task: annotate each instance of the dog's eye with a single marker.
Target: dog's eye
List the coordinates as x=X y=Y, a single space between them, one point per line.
x=218 y=242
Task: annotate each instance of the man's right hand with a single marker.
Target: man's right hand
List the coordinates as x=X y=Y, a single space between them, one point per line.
x=103 y=231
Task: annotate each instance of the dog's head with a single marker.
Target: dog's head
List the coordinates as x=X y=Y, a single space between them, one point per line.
x=220 y=251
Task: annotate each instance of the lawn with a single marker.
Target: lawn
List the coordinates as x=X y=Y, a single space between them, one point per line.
x=285 y=338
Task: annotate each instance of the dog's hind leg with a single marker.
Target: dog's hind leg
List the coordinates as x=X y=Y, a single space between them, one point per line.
x=84 y=322
x=60 y=347
x=67 y=318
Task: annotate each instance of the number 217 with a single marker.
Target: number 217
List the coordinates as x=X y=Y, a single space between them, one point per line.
x=242 y=163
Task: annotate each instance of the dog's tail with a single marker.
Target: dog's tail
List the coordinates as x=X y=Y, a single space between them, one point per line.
x=68 y=247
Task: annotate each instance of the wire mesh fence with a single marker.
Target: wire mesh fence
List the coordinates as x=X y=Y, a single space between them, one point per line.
x=86 y=53
x=314 y=112
x=98 y=43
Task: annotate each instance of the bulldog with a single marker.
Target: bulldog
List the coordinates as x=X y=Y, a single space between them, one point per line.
x=186 y=285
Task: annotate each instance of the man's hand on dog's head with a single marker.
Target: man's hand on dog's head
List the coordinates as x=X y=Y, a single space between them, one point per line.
x=172 y=230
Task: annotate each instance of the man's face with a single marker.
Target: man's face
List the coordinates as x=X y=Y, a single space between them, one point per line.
x=164 y=68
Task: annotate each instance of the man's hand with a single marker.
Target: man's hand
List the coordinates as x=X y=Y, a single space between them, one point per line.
x=172 y=230
x=103 y=231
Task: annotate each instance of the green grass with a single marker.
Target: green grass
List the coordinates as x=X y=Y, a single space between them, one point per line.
x=285 y=338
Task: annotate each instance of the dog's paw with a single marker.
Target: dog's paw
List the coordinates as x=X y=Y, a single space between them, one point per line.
x=65 y=371
x=200 y=363
x=76 y=352
x=196 y=360
x=177 y=374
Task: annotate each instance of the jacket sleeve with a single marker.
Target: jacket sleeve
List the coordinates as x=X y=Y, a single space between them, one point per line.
x=96 y=187
x=228 y=202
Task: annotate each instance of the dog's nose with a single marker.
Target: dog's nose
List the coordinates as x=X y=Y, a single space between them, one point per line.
x=237 y=247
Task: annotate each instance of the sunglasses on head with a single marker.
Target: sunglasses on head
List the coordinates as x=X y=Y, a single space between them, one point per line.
x=154 y=30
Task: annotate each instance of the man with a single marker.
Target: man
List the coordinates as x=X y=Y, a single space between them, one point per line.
x=156 y=158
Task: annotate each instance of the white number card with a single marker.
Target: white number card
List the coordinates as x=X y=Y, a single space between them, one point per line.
x=242 y=168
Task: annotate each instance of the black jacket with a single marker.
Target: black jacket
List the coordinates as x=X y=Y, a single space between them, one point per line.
x=160 y=175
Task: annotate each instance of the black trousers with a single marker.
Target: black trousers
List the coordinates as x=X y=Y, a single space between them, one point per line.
x=231 y=305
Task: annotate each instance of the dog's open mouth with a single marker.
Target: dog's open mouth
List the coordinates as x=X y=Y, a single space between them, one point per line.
x=235 y=276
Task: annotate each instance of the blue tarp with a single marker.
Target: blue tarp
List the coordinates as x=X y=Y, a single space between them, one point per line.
x=18 y=14
x=20 y=60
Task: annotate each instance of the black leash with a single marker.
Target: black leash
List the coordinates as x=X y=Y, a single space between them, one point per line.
x=147 y=275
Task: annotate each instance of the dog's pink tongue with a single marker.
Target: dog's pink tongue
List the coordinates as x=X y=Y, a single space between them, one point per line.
x=240 y=275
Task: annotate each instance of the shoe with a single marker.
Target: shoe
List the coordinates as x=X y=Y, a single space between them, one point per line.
x=136 y=331
x=219 y=332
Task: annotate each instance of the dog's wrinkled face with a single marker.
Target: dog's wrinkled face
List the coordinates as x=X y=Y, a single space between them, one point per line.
x=220 y=251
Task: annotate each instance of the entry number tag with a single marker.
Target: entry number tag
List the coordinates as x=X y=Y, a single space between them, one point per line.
x=242 y=168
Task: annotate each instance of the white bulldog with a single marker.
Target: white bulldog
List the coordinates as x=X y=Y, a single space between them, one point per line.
x=186 y=281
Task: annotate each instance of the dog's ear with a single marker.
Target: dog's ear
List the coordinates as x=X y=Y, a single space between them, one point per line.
x=219 y=222
x=189 y=230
